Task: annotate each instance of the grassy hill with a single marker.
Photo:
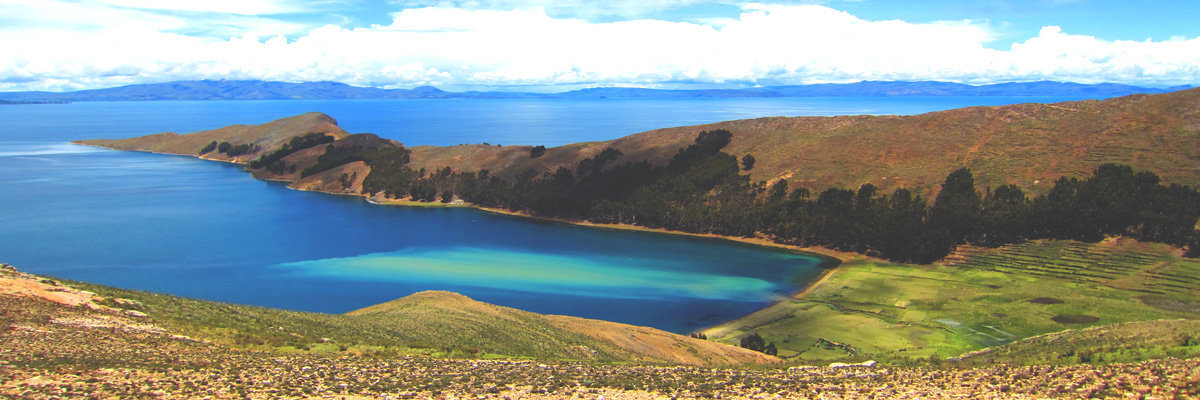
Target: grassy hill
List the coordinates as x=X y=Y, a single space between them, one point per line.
x=429 y=322
x=433 y=317
x=1125 y=342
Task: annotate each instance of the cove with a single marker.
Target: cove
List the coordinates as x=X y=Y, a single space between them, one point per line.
x=207 y=230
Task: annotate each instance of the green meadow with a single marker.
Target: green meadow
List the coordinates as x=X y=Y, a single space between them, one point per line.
x=977 y=298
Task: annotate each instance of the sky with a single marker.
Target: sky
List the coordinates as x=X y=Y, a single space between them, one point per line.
x=541 y=45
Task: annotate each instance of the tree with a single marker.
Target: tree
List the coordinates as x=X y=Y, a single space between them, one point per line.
x=957 y=206
x=537 y=151
x=747 y=162
x=778 y=190
x=209 y=147
x=753 y=342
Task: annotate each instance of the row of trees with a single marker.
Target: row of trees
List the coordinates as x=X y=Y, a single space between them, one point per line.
x=702 y=190
x=229 y=149
x=273 y=161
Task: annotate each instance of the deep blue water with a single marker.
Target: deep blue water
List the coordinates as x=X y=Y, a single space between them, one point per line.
x=208 y=230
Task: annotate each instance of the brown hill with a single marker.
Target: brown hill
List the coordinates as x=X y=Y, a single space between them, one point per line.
x=1029 y=145
x=267 y=137
x=434 y=316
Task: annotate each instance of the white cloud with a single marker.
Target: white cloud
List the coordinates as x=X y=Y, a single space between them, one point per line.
x=576 y=8
x=240 y=7
x=766 y=44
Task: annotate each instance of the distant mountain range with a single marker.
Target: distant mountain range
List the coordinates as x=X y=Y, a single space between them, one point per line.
x=266 y=90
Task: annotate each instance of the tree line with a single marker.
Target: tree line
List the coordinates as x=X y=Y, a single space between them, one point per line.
x=273 y=161
x=229 y=149
x=702 y=190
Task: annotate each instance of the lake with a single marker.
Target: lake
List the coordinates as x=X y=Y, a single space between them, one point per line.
x=208 y=230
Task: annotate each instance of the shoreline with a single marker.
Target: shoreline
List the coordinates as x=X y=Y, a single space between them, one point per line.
x=833 y=257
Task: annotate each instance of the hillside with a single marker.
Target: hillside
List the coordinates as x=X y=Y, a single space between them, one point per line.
x=440 y=323
x=978 y=298
x=1029 y=145
x=431 y=316
x=58 y=342
x=264 y=138
x=1126 y=342
x=269 y=90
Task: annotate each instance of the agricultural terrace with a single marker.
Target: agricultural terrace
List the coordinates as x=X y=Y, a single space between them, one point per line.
x=976 y=298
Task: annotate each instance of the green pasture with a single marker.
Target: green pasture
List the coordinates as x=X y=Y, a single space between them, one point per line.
x=976 y=299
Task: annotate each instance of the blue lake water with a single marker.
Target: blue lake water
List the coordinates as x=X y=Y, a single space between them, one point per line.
x=208 y=230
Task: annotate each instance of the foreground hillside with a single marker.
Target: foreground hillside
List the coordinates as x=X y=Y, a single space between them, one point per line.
x=424 y=323
x=58 y=342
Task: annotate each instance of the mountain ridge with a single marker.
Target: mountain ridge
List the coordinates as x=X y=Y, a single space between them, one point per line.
x=325 y=90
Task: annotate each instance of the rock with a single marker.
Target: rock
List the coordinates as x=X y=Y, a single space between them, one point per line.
x=128 y=303
x=864 y=364
x=138 y=314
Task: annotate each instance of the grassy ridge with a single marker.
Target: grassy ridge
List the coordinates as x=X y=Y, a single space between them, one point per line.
x=1123 y=343
x=439 y=323
x=983 y=297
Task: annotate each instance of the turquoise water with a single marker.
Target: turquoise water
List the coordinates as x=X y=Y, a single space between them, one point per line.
x=208 y=230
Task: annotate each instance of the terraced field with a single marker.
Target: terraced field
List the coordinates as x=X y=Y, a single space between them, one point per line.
x=1122 y=264
x=977 y=298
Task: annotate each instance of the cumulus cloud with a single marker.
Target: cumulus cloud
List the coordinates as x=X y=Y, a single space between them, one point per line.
x=577 y=8
x=765 y=44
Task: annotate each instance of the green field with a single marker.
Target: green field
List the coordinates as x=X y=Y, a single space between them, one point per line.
x=975 y=299
x=1124 y=343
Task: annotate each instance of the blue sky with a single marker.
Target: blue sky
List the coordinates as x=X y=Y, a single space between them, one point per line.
x=552 y=45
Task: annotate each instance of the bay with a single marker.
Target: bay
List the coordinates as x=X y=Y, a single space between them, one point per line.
x=208 y=230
